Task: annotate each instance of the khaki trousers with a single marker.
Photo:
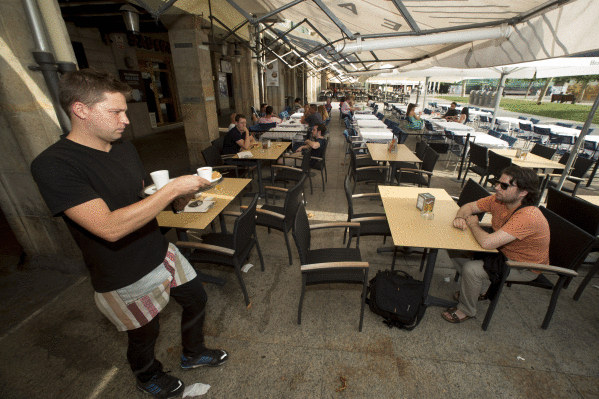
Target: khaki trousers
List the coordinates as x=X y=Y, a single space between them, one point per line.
x=475 y=281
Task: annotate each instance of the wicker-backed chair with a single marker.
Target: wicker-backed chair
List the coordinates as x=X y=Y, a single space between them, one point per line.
x=328 y=265
x=229 y=249
x=281 y=218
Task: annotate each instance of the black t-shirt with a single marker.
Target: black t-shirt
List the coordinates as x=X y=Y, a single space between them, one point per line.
x=318 y=152
x=230 y=145
x=451 y=112
x=69 y=174
x=313 y=119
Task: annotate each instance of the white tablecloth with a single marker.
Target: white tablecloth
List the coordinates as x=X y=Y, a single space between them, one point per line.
x=358 y=117
x=374 y=135
x=453 y=126
x=297 y=115
x=371 y=123
x=484 y=139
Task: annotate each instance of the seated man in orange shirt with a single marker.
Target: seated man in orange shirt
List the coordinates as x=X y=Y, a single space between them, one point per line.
x=269 y=117
x=521 y=233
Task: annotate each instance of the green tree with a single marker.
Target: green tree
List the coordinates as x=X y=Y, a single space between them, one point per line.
x=584 y=80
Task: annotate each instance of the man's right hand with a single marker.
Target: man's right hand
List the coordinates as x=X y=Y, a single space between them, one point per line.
x=188 y=184
x=460 y=223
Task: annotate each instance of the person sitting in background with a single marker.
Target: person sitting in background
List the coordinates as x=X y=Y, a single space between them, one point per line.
x=312 y=117
x=464 y=116
x=328 y=106
x=414 y=121
x=269 y=117
x=306 y=109
x=238 y=138
x=370 y=102
x=451 y=113
x=323 y=112
x=317 y=143
x=297 y=105
x=345 y=108
x=232 y=124
x=261 y=113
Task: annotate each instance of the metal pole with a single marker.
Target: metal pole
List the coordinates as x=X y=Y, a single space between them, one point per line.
x=425 y=93
x=498 y=98
x=466 y=145
x=578 y=144
x=45 y=60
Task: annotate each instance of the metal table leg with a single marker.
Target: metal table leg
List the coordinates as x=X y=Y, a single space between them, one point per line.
x=428 y=276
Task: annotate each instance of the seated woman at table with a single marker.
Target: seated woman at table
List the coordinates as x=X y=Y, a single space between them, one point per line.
x=323 y=112
x=464 y=116
x=414 y=121
x=297 y=104
x=269 y=117
x=238 y=138
x=317 y=143
x=370 y=103
x=328 y=106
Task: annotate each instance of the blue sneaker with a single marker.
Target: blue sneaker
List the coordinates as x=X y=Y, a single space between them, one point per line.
x=162 y=385
x=210 y=358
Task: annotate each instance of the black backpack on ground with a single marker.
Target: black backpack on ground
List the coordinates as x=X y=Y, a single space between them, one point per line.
x=397 y=297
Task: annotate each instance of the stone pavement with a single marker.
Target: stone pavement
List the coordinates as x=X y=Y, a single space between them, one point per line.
x=69 y=350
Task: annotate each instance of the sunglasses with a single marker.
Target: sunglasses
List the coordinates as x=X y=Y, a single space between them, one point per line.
x=504 y=186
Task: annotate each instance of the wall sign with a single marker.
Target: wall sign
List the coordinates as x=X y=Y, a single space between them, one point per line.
x=148 y=43
x=272 y=74
x=226 y=67
x=135 y=81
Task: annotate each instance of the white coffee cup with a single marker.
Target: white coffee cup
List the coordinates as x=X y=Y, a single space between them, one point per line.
x=205 y=173
x=160 y=178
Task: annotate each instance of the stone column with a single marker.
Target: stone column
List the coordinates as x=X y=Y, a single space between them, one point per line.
x=245 y=82
x=29 y=125
x=323 y=80
x=193 y=73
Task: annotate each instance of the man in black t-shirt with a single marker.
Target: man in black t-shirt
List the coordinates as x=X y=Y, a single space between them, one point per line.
x=92 y=180
x=317 y=143
x=238 y=138
x=451 y=113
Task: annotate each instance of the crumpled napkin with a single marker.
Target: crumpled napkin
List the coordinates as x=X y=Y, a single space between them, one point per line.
x=196 y=389
x=245 y=154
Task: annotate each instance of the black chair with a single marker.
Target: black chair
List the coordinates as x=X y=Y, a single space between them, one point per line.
x=328 y=265
x=497 y=163
x=421 y=147
x=509 y=139
x=543 y=134
x=366 y=174
x=294 y=174
x=526 y=132
x=214 y=159
x=371 y=223
x=479 y=159
x=281 y=218
x=219 y=144
x=416 y=176
x=471 y=192
x=579 y=170
x=534 y=121
x=265 y=127
x=566 y=258
x=562 y=124
x=321 y=163
x=229 y=249
x=543 y=151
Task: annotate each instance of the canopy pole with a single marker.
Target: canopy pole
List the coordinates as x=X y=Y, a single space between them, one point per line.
x=576 y=147
x=425 y=92
x=417 y=93
x=498 y=98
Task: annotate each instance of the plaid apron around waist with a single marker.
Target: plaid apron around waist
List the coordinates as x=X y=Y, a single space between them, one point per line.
x=137 y=304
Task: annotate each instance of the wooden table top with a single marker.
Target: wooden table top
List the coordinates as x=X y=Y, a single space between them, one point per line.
x=593 y=199
x=379 y=152
x=409 y=229
x=272 y=153
x=531 y=160
x=223 y=194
